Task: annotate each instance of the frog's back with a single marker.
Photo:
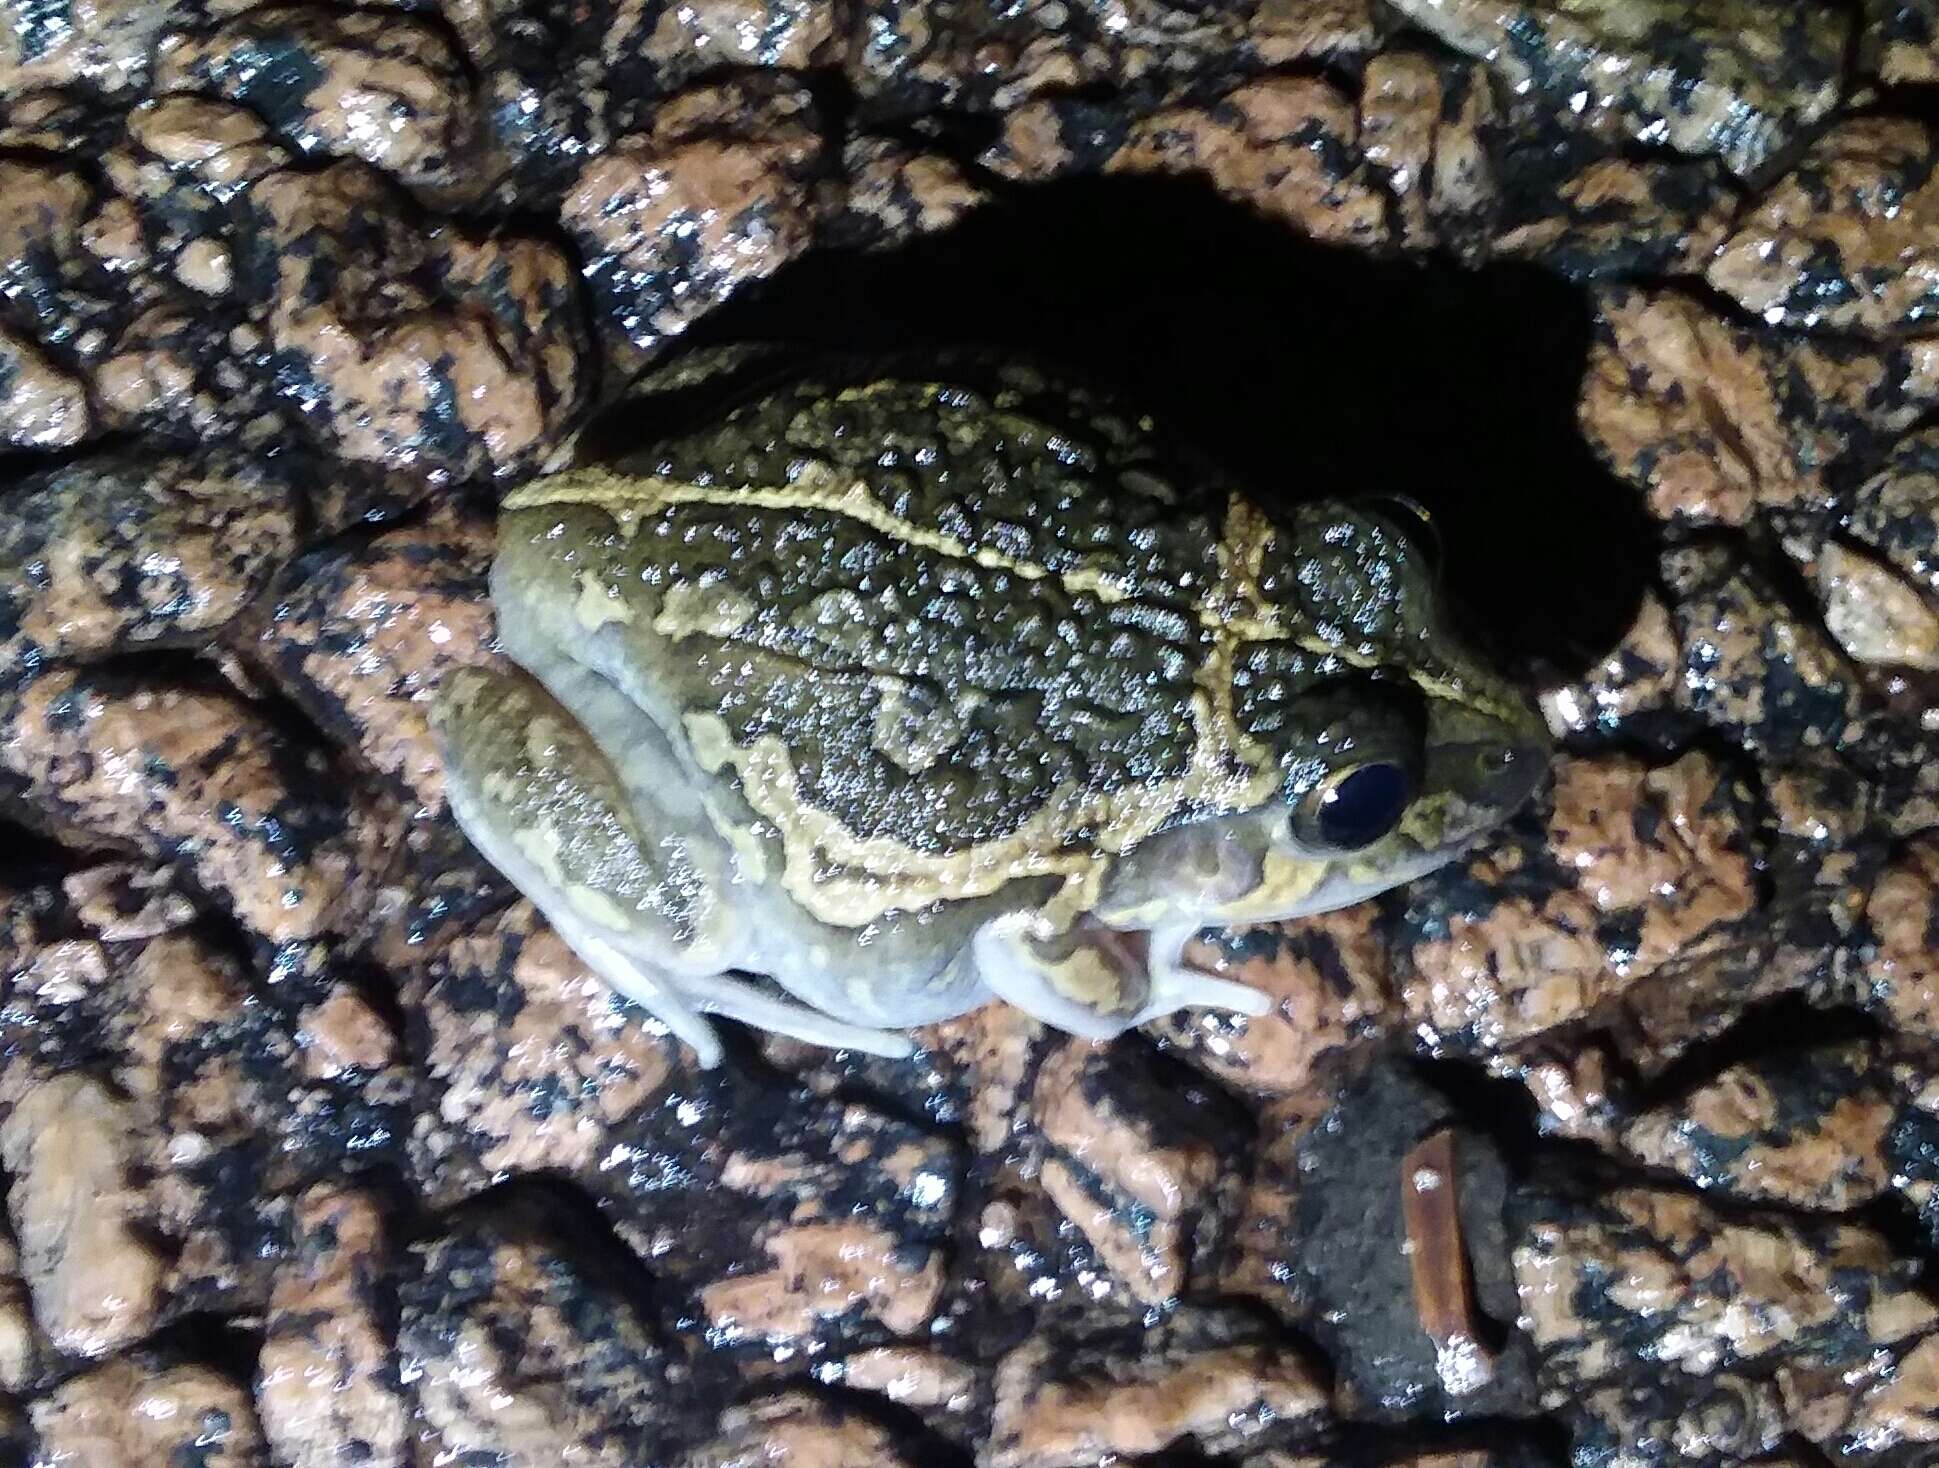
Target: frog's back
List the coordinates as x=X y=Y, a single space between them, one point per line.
x=921 y=627
x=1039 y=479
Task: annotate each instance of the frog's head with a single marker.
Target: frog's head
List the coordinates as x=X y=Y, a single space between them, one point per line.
x=1399 y=745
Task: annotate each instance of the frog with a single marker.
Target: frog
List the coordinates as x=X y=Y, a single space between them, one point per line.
x=847 y=700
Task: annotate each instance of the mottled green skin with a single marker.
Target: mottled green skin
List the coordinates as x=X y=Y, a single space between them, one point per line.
x=1076 y=690
x=1079 y=691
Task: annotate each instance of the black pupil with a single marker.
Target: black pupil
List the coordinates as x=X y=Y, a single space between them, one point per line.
x=1363 y=807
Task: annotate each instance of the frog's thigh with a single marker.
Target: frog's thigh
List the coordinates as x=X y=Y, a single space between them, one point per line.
x=621 y=859
x=1095 y=982
x=538 y=799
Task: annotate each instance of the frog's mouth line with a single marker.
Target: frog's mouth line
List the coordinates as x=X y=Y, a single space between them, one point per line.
x=1343 y=886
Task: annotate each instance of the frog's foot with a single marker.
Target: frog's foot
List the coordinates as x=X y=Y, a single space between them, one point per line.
x=654 y=992
x=1097 y=982
x=1176 y=985
x=683 y=1003
x=739 y=1000
x=1092 y=984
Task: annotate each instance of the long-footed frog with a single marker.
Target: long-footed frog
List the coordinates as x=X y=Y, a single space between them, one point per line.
x=906 y=695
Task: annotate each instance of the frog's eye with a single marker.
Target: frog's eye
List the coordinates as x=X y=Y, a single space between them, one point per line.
x=1354 y=807
x=1414 y=519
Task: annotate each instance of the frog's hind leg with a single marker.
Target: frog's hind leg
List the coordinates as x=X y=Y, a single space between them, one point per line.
x=1098 y=982
x=542 y=804
x=737 y=999
x=618 y=856
x=682 y=1003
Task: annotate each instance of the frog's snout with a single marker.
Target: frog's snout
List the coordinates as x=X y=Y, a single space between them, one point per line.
x=1520 y=768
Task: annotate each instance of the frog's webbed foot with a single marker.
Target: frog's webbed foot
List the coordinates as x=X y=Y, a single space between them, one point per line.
x=683 y=1003
x=739 y=1000
x=1097 y=982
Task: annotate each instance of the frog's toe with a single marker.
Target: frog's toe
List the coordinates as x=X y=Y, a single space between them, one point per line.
x=1192 y=990
x=1090 y=984
x=654 y=992
x=1176 y=985
x=737 y=999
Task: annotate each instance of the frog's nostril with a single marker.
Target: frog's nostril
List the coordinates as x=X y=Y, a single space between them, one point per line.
x=1518 y=770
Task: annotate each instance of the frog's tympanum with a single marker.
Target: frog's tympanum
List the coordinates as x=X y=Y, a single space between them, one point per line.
x=905 y=696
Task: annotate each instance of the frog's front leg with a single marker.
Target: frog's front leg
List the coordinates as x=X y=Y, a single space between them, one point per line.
x=1176 y=985
x=640 y=895
x=1097 y=981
